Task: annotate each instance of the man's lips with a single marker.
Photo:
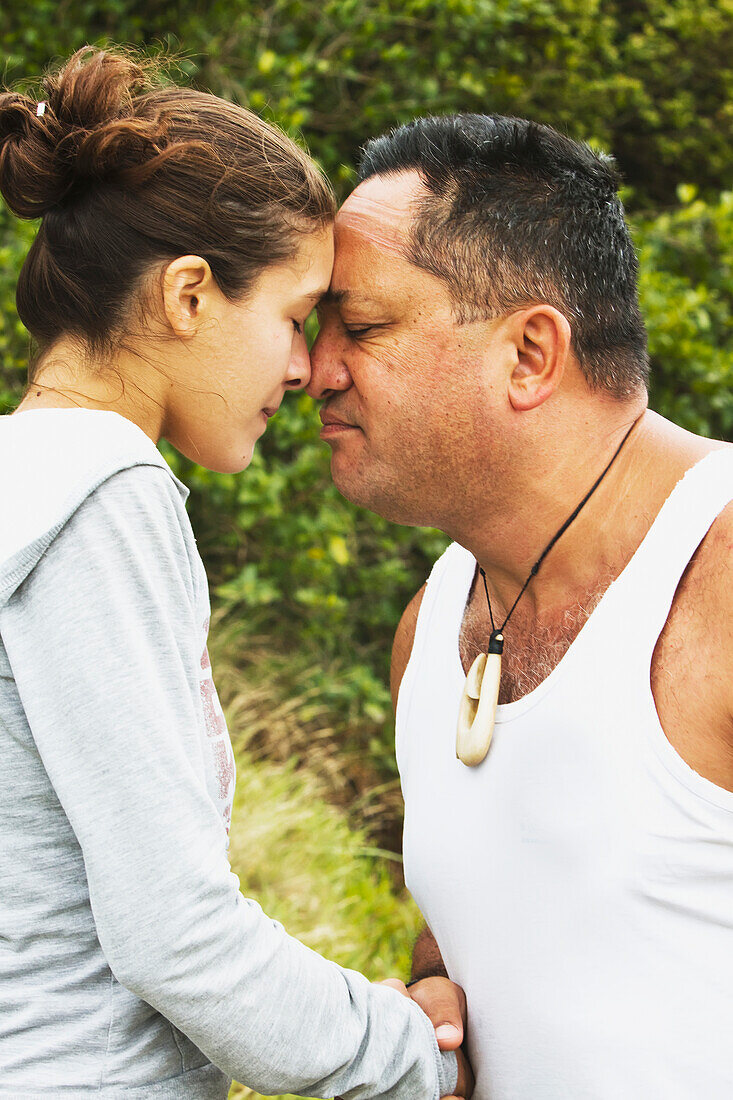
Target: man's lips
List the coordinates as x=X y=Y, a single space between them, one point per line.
x=334 y=425
x=330 y=419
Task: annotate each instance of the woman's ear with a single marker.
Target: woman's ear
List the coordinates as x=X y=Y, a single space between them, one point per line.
x=189 y=294
x=541 y=336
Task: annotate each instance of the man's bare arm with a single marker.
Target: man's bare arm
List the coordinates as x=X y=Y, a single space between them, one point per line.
x=402 y=645
x=427 y=961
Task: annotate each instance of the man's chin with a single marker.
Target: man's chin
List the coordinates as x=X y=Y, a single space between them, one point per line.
x=369 y=493
x=350 y=486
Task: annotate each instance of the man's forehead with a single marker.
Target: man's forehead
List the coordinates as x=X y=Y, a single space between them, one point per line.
x=380 y=210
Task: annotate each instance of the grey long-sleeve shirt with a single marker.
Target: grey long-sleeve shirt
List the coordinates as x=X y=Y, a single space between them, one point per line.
x=130 y=963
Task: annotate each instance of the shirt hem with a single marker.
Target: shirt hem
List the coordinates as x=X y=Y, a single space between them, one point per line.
x=206 y=1083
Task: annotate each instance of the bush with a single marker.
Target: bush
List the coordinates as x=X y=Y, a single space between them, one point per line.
x=290 y=558
x=15 y=240
x=287 y=555
x=686 y=290
x=650 y=79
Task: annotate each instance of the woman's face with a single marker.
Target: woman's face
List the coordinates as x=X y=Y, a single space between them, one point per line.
x=233 y=373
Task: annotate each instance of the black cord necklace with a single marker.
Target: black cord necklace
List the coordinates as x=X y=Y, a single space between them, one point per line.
x=481 y=692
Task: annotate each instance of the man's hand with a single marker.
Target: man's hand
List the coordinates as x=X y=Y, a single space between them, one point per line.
x=444 y=1003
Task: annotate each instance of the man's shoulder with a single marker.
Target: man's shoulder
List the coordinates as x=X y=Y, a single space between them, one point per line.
x=706 y=584
x=691 y=665
x=704 y=598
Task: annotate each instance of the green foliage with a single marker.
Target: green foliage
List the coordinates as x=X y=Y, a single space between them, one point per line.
x=309 y=868
x=651 y=79
x=314 y=586
x=286 y=554
x=15 y=240
x=686 y=289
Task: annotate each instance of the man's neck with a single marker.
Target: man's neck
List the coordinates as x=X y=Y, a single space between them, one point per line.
x=601 y=540
x=597 y=548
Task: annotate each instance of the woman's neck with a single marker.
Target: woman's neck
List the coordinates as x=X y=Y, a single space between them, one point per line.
x=69 y=378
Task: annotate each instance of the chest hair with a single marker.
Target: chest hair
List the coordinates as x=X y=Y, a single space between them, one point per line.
x=532 y=647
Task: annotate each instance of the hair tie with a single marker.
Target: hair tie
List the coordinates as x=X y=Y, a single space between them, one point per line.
x=41 y=108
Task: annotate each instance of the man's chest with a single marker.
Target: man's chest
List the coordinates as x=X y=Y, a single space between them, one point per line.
x=689 y=667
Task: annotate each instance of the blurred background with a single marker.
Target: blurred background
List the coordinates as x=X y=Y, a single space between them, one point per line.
x=306 y=588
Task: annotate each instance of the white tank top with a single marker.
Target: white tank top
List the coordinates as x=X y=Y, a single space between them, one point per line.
x=579 y=882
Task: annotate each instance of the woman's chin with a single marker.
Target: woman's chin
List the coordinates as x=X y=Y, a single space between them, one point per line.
x=233 y=462
x=229 y=457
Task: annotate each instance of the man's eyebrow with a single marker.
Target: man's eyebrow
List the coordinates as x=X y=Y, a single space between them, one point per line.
x=348 y=297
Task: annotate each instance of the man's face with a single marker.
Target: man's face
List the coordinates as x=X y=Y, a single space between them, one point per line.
x=407 y=394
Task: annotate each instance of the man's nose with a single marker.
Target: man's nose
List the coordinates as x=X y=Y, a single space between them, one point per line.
x=329 y=373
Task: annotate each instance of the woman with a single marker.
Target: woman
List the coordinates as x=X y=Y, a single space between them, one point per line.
x=182 y=245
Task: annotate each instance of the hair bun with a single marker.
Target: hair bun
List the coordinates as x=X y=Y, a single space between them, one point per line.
x=86 y=132
x=30 y=178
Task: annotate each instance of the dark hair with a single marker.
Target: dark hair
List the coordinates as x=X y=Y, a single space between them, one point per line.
x=517 y=213
x=126 y=173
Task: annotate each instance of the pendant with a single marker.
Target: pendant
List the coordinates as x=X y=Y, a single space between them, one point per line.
x=477 y=711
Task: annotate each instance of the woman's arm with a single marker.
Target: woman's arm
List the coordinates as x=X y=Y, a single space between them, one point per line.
x=103 y=640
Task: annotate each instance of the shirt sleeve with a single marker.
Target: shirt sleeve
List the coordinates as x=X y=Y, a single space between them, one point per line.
x=102 y=638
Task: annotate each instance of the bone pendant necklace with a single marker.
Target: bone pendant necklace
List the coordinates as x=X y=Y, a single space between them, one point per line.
x=477 y=711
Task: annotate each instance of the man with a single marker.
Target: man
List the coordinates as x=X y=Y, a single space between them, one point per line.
x=483 y=363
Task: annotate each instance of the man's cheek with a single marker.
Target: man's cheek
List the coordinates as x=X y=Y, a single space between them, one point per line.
x=404 y=358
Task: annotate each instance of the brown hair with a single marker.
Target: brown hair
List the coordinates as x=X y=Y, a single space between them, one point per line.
x=125 y=175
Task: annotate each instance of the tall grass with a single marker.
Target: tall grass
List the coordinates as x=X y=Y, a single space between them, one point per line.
x=282 y=708
x=296 y=843
x=300 y=859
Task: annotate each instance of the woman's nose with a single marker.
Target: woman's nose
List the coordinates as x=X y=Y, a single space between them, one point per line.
x=299 y=370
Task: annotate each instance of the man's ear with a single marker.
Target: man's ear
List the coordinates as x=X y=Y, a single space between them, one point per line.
x=541 y=336
x=189 y=290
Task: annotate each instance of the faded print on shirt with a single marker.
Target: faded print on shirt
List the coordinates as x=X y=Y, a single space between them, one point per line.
x=221 y=777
